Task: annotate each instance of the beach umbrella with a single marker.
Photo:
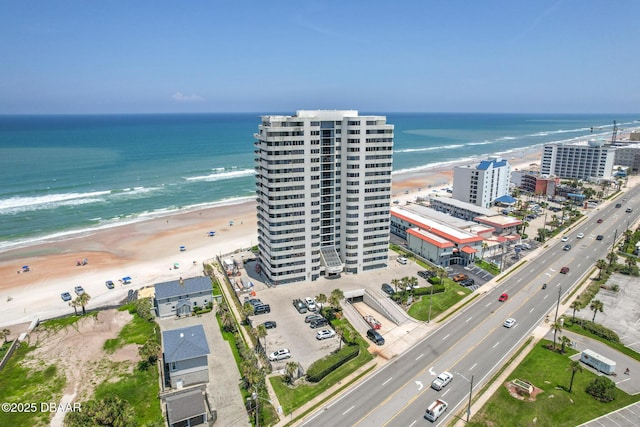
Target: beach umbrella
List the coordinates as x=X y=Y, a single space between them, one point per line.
x=212 y=233
x=182 y=249
x=176 y=265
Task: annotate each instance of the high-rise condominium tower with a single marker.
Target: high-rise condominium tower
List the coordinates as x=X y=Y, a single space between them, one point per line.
x=323 y=185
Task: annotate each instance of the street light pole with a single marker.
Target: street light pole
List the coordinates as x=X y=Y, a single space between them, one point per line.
x=558 y=303
x=430 y=301
x=470 y=391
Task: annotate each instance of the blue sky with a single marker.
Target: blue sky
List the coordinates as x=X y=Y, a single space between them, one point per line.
x=573 y=56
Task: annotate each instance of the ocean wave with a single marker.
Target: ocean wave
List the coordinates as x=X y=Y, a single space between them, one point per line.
x=104 y=224
x=422 y=149
x=21 y=204
x=222 y=175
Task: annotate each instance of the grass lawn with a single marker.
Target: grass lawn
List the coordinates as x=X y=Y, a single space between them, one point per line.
x=293 y=397
x=25 y=386
x=4 y=348
x=555 y=406
x=441 y=302
x=137 y=331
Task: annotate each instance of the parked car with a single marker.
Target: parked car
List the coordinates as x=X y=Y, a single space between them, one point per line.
x=468 y=282
x=269 y=324
x=283 y=353
x=441 y=381
x=564 y=270
x=310 y=303
x=79 y=290
x=599 y=237
x=503 y=297
x=312 y=317
x=509 y=322
x=109 y=284
x=402 y=260
x=66 y=296
x=262 y=309
x=254 y=302
x=425 y=274
x=566 y=248
x=318 y=323
x=460 y=277
x=386 y=288
x=300 y=306
x=375 y=336
x=580 y=235
x=325 y=333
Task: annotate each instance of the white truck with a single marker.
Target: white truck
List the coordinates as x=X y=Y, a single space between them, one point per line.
x=435 y=410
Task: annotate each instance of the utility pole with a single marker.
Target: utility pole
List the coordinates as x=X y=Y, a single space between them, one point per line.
x=470 y=391
x=558 y=304
x=613 y=245
x=430 y=301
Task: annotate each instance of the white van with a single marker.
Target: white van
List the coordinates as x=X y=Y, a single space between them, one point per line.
x=402 y=260
x=435 y=410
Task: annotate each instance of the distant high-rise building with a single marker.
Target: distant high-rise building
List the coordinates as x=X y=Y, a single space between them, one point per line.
x=586 y=160
x=480 y=185
x=323 y=183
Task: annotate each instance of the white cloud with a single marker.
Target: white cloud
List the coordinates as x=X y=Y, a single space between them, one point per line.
x=180 y=97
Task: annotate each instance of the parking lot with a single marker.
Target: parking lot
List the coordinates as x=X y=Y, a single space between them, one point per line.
x=291 y=331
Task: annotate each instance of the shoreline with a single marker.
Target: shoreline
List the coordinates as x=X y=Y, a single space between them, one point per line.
x=147 y=250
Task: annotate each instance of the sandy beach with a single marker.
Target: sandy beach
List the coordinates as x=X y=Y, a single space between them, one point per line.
x=147 y=251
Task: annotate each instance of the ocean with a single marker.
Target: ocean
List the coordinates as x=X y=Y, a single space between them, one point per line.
x=64 y=174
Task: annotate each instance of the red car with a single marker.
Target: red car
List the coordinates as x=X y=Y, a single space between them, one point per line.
x=564 y=270
x=600 y=221
x=503 y=297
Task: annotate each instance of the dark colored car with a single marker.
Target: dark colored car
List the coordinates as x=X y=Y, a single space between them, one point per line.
x=318 y=323
x=386 y=288
x=600 y=221
x=261 y=309
x=269 y=324
x=310 y=318
x=599 y=237
x=468 y=282
x=109 y=284
x=618 y=205
x=375 y=336
x=503 y=297
x=254 y=302
x=564 y=270
x=566 y=248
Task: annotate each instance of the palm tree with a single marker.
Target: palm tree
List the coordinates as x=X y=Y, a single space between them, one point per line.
x=412 y=282
x=290 y=370
x=630 y=262
x=612 y=257
x=4 y=334
x=596 y=305
x=227 y=320
x=335 y=298
x=340 y=332
x=261 y=332
x=395 y=283
x=565 y=342
x=525 y=224
x=321 y=300
x=485 y=246
x=575 y=366
x=575 y=305
x=557 y=327
x=75 y=305
x=247 y=310
x=601 y=264
x=83 y=300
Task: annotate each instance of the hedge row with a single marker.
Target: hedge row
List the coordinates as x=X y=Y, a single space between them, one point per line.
x=323 y=367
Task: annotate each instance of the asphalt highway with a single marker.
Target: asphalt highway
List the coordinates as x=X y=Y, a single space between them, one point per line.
x=474 y=344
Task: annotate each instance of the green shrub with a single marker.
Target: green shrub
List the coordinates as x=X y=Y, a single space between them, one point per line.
x=602 y=388
x=323 y=367
x=434 y=280
x=437 y=289
x=600 y=331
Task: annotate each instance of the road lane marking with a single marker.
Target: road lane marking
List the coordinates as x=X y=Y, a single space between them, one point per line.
x=418 y=358
x=531 y=311
x=445 y=337
x=345 y=412
x=468 y=319
x=496 y=344
x=385 y=383
x=413 y=423
x=419 y=384
x=545 y=297
x=445 y=393
x=471 y=368
x=488 y=304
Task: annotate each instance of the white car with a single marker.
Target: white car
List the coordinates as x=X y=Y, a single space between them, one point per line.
x=283 y=353
x=564 y=238
x=325 y=333
x=402 y=260
x=580 y=235
x=509 y=322
x=310 y=303
x=441 y=381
